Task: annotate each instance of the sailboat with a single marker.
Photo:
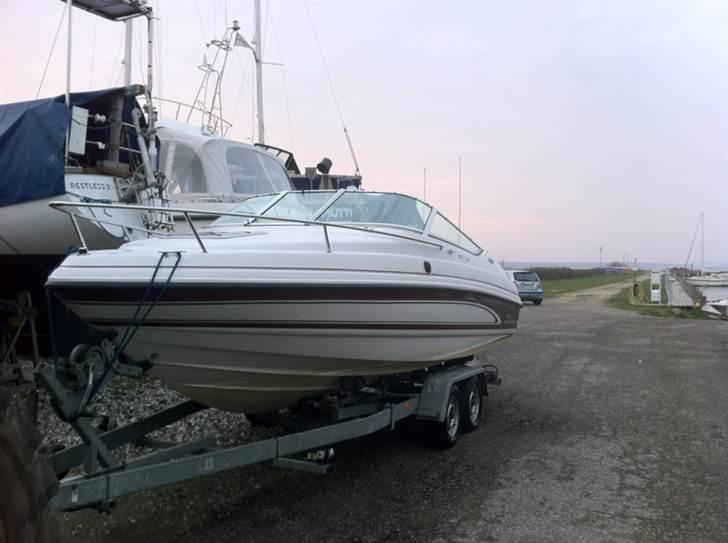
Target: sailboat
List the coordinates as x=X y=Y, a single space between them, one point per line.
x=211 y=172
x=714 y=279
x=107 y=146
x=95 y=146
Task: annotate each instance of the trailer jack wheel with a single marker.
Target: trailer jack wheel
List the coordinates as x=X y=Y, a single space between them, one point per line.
x=26 y=480
x=445 y=433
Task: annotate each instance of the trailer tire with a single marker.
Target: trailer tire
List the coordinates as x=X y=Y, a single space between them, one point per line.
x=445 y=433
x=26 y=480
x=472 y=405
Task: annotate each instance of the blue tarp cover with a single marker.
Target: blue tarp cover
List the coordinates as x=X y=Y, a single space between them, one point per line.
x=32 y=143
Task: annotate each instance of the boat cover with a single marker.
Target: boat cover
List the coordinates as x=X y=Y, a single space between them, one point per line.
x=32 y=142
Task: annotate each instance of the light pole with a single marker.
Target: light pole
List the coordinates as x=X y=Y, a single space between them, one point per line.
x=460 y=189
x=424 y=188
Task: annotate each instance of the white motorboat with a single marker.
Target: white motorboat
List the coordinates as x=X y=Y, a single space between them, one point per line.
x=253 y=314
x=716 y=279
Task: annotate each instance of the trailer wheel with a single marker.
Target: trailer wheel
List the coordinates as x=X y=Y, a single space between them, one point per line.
x=445 y=433
x=26 y=480
x=472 y=403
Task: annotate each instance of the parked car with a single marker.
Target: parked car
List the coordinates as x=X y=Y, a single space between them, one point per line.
x=528 y=284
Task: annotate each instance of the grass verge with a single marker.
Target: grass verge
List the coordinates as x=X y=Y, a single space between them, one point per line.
x=556 y=287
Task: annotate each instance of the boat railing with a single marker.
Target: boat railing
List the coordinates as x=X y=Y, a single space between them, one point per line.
x=183 y=112
x=187 y=212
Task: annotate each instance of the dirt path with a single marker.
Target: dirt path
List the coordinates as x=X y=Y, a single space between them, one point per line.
x=598 y=294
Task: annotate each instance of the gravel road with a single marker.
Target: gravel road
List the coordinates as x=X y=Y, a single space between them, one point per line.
x=609 y=426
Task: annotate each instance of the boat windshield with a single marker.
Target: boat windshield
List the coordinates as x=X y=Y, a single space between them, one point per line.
x=351 y=208
x=299 y=205
x=378 y=208
x=445 y=230
x=252 y=206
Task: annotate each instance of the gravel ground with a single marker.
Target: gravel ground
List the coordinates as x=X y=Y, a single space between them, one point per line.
x=609 y=426
x=126 y=400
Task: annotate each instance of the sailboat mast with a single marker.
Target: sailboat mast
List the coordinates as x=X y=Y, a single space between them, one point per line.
x=259 y=72
x=69 y=50
x=128 y=35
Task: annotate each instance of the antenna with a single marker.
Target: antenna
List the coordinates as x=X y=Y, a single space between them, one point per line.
x=702 y=243
x=331 y=87
x=460 y=188
x=424 y=187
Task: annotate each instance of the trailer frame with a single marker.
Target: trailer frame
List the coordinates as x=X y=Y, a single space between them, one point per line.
x=106 y=477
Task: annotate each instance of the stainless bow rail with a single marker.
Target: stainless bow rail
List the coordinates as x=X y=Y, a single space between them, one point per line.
x=186 y=212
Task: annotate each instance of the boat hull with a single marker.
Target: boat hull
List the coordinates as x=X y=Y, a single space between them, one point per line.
x=258 y=348
x=708 y=282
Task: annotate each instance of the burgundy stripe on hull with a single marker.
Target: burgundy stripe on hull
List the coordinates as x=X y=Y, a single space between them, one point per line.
x=303 y=325
x=211 y=294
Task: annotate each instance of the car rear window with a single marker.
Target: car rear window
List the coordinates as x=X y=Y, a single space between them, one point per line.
x=525 y=276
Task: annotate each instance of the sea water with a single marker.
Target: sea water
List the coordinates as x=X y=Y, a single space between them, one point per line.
x=714 y=293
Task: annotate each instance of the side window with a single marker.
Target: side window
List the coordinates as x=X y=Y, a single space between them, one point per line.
x=447 y=231
x=246 y=172
x=276 y=173
x=186 y=174
x=254 y=172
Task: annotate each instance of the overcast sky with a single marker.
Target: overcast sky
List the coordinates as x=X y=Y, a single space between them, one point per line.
x=579 y=123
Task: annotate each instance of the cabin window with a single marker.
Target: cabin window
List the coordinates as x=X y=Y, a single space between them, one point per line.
x=252 y=172
x=186 y=174
x=447 y=231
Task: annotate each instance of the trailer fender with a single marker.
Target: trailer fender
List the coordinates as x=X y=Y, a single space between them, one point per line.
x=432 y=404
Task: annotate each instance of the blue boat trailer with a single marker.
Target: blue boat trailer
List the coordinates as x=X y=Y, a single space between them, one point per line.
x=449 y=398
